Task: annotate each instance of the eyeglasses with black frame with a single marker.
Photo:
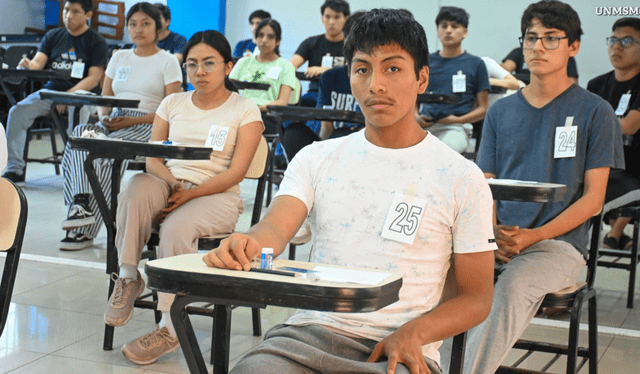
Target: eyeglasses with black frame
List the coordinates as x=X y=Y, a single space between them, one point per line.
x=625 y=42
x=192 y=67
x=548 y=42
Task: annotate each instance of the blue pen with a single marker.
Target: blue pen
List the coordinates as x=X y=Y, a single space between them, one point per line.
x=169 y=142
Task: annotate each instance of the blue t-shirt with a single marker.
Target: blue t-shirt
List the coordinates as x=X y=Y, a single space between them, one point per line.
x=173 y=43
x=244 y=46
x=63 y=49
x=518 y=143
x=441 y=72
x=335 y=93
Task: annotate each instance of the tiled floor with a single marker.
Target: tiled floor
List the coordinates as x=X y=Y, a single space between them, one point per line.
x=56 y=323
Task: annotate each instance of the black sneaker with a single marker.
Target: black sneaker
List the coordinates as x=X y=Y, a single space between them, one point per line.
x=75 y=241
x=14 y=177
x=79 y=213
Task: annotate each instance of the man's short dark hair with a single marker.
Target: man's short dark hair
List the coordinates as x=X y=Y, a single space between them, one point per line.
x=627 y=22
x=262 y=14
x=553 y=14
x=351 y=20
x=164 y=10
x=453 y=14
x=339 y=6
x=380 y=27
x=87 y=5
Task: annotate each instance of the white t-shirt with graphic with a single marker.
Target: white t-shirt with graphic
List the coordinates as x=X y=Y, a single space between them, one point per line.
x=348 y=185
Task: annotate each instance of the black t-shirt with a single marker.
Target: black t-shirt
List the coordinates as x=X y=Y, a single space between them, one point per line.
x=524 y=73
x=607 y=87
x=313 y=49
x=63 y=49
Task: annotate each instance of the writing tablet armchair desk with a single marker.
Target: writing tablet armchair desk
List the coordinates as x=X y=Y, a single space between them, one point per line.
x=192 y=281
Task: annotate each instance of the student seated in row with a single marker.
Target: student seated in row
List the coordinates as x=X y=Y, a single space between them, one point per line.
x=247 y=47
x=550 y=131
x=621 y=88
x=268 y=67
x=324 y=51
x=353 y=186
x=74 y=48
x=334 y=92
x=146 y=73
x=189 y=198
x=455 y=72
x=167 y=39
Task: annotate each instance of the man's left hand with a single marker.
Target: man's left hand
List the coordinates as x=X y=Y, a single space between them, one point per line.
x=401 y=347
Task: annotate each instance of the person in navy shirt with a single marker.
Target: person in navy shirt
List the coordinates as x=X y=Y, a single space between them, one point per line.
x=246 y=47
x=167 y=39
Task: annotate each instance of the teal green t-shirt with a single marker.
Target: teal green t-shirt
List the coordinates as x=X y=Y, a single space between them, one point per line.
x=275 y=73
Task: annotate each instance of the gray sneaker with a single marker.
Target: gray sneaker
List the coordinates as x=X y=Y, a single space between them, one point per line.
x=148 y=348
x=120 y=307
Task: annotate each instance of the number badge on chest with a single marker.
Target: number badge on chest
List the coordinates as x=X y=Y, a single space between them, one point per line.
x=404 y=218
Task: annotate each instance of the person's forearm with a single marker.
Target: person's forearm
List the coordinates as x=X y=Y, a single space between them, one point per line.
x=577 y=213
x=631 y=122
x=157 y=168
x=218 y=184
x=87 y=84
x=469 y=311
x=473 y=116
x=147 y=118
x=326 y=129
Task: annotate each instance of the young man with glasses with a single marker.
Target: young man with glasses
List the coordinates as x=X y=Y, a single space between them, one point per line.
x=455 y=72
x=550 y=131
x=621 y=88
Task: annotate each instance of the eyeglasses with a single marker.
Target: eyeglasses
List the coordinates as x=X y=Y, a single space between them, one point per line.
x=192 y=67
x=548 y=42
x=625 y=42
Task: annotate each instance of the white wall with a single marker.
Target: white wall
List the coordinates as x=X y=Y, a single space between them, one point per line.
x=31 y=14
x=494 y=25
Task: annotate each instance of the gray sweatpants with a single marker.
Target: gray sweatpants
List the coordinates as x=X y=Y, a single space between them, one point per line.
x=21 y=117
x=546 y=267
x=140 y=203
x=314 y=349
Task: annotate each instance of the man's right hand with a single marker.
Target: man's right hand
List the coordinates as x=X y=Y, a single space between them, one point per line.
x=24 y=63
x=234 y=252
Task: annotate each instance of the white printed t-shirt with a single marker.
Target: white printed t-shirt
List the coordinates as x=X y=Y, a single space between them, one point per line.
x=348 y=185
x=143 y=78
x=190 y=125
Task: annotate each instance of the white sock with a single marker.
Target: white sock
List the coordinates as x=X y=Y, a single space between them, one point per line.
x=166 y=322
x=128 y=271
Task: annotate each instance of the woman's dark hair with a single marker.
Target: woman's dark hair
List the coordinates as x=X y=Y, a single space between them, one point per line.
x=148 y=9
x=259 y=14
x=553 y=14
x=216 y=41
x=164 y=10
x=380 y=27
x=275 y=25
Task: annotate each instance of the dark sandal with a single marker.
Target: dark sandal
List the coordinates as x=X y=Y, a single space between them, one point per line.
x=624 y=243
x=610 y=242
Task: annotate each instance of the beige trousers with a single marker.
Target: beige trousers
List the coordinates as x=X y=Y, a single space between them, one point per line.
x=141 y=201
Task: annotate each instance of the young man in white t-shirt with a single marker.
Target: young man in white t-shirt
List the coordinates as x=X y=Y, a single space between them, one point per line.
x=352 y=187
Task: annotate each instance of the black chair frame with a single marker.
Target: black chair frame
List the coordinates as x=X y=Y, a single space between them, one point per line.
x=575 y=301
x=14 y=231
x=611 y=258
